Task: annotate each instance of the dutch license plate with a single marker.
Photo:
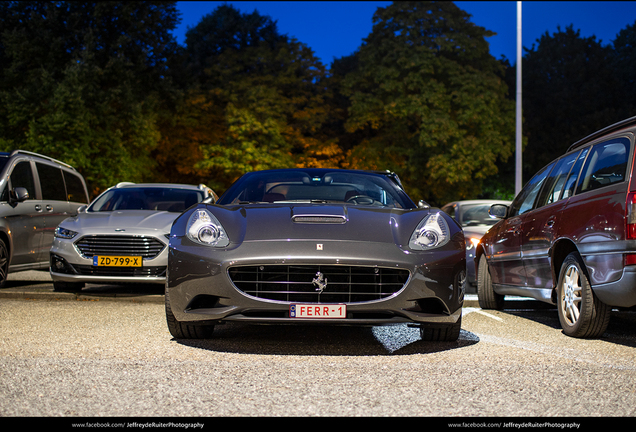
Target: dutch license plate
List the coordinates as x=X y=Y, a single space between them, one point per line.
x=117 y=261
x=318 y=311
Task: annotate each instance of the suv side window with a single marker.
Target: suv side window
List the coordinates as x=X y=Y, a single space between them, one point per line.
x=51 y=182
x=605 y=165
x=22 y=176
x=570 y=184
x=74 y=188
x=525 y=200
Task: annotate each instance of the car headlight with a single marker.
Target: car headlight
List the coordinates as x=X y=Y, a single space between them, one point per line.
x=431 y=232
x=64 y=233
x=205 y=229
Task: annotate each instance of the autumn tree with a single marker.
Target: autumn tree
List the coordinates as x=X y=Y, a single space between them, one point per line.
x=84 y=82
x=431 y=100
x=259 y=88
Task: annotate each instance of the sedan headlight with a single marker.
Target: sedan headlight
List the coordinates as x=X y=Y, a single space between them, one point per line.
x=64 y=233
x=205 y=229
x=432 y=232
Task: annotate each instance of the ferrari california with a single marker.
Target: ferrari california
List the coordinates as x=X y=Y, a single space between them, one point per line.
x=315 y=246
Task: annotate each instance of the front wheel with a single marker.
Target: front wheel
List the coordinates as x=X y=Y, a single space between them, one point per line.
x=488 y=298
x=180 y=330
x=581 y=313
x=441 y=334
x=4 y=263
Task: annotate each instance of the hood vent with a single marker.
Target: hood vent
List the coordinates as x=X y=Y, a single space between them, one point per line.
x=319 y=219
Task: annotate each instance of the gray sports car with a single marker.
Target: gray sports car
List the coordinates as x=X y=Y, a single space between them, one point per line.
x=317 y=246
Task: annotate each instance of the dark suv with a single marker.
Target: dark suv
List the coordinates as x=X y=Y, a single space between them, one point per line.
x=569 y=237
x=36 y=194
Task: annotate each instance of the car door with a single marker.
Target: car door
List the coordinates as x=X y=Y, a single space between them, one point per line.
x=25 y=220
x=541 y=224
x=506 y=263
x=55 y=206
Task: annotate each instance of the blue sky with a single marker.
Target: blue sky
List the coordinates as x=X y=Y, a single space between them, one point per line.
x=333 y=29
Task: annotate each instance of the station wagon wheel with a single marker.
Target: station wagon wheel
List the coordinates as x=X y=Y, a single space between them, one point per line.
x=180 y=330
x=488 y=298
x=4 y=263
x=581 y=313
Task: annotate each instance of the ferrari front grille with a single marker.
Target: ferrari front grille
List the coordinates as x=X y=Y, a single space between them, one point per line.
x=147 y=247
x=318 y=284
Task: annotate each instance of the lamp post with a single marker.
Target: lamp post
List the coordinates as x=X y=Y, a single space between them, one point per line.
x=518 y=169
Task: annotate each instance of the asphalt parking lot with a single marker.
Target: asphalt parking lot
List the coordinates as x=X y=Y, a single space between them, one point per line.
x=108 y=353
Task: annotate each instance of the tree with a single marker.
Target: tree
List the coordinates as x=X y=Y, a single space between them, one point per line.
x=568 y=92
x=431 y=100
x=82 y=82
x=260 y=87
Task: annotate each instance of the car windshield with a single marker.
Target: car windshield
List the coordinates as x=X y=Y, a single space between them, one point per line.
x=316 y=186
x=146 y=198
x=476 y=215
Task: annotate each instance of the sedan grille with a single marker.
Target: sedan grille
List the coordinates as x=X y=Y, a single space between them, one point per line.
x=147 y=247
x=295 y=283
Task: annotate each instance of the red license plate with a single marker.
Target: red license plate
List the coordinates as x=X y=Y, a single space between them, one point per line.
x=318 y=311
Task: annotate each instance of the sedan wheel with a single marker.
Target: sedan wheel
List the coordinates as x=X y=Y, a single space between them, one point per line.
x=488 y=298
x=581 y=313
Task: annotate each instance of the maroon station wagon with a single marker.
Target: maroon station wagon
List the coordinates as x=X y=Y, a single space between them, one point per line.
x=569 y=237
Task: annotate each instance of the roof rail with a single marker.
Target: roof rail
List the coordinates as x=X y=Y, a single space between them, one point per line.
x=120 y=184
x=14 y=152
x=604 y=131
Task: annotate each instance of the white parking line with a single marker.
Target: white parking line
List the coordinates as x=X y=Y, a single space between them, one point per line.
x=468 y=310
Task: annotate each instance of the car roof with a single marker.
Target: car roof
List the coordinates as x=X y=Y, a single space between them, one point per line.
x=124 y=185
x=600 y=133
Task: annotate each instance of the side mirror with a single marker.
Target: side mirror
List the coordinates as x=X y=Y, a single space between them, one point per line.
x=423 y=204
x=19 y=194
x=498 y=211
x=82 y=208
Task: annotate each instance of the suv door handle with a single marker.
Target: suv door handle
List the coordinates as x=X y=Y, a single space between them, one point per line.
x=550 y=222
x=38 y=207
x=49 y=207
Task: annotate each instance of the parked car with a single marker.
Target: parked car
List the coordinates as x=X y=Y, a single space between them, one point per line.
x=36 y=194
x=474 y=218
x=315 y=246
x=122 y=236
x=569 y=237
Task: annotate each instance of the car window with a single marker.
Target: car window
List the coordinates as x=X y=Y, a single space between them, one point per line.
x=74 y=188
x=526 y=198
x=570 y=184
x=146 y=198
x=606 y=165
x=554 y=183
x=22 y=176
x=51 y=182
x=352 y=188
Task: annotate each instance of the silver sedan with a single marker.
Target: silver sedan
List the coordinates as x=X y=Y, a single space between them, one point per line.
x=122 y=236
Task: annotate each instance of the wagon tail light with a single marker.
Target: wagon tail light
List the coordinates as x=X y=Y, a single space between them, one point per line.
x=630 y=216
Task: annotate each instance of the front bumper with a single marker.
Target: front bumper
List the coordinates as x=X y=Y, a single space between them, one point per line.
x=67 y=265
x=200 y=289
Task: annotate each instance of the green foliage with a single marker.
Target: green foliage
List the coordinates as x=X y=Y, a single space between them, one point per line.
x=432 y=99
x=104 y=87
x=82 y=81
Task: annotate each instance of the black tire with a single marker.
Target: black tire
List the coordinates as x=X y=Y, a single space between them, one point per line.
x=68 y=286
x=488 y=298
x=181 y=330
x=4 y=263
x=581 y=313
x=441 y=334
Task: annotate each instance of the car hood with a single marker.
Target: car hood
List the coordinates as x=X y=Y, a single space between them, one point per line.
x=319 y=222
x=131 y=221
